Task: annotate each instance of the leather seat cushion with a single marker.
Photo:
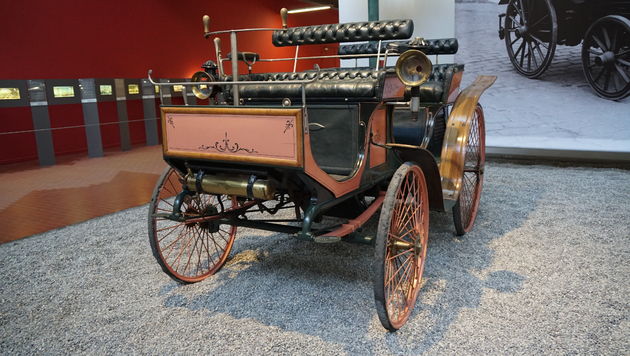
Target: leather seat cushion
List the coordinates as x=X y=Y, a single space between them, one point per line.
x=332 y=83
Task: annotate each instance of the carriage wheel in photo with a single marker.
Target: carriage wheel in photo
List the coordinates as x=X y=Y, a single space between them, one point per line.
x=531 y=35
x=606 y=57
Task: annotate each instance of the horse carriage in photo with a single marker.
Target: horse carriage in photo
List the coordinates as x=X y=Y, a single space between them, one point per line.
x=328 y=144
x=533 y=28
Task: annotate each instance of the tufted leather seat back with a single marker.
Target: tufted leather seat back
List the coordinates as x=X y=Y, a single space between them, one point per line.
x=436 y=46
x=343 y=32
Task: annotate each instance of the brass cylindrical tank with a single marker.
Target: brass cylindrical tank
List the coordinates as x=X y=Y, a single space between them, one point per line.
x=242 y=186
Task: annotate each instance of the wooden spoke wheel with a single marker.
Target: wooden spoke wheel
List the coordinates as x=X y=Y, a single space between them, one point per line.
x=465 y=210
x=531 y=35
x=189 y=251
x=606 y=57
x=401 y=246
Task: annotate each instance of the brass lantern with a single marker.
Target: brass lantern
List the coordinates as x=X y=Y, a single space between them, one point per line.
x=413 y=68
x=202 y=91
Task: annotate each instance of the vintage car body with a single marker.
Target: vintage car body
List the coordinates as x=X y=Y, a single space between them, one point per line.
x=336 y=143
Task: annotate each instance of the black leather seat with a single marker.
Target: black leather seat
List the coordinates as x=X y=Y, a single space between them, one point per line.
x=353 y=84
x=429 y=47
x=345 y=84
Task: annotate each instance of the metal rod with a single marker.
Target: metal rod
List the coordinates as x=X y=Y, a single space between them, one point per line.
x=378 y=55
x=248 y=82
x=297 y=49
x=342 y=56
x=260 y=225
x=217 y=52
x=304 y=111
x=244 y=30
x=385 y=58
x=234 y=52
x=185 y=95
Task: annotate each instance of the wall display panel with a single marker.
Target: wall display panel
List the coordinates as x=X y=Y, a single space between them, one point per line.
x=66 y=116
x=17 y=139
x=10 y=93
x=177 y=92
x=133 y=89
x=151 y=111
x=63 y=91
x=166 y=93
x=120 y=91
x=107 y=113
x=38 y=100
x=135 y=112
x=90 y=117
x=106 y=90
x=164 y=99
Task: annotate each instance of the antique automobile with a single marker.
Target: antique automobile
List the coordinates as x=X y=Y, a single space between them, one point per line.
x=533 y=28
x=332 y=145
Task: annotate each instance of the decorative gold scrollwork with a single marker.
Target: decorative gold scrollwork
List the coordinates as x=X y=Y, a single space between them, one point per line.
x=226 y=146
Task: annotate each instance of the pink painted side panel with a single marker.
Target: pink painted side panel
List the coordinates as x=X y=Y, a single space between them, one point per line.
x=265 y=136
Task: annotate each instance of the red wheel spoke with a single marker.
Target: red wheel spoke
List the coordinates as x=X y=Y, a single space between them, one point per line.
x=403 y=223
x=399 y=254
x=183 y=248
x=168 y=227
x=465 y=211
x=181 y=234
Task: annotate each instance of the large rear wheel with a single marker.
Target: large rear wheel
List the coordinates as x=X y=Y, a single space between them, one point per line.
x=465 y=210
x=606 y=57
x=401 y=246
x=531 y=35
x=197 y=245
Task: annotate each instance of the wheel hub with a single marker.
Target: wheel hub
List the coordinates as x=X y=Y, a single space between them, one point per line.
x=608 y=58
x=398 y=245
x=211 y=226
x=522 y=30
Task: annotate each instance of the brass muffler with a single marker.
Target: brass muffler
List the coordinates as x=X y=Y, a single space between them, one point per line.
x=242 y=186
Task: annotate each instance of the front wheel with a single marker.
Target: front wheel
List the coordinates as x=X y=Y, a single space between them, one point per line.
x=465 y=210
x=401 y=246
x=196 y=246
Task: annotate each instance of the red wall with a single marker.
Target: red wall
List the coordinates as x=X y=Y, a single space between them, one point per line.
x=46 y=39
x=17 y=147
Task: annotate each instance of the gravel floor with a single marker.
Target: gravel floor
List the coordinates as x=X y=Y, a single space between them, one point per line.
x=544 y=271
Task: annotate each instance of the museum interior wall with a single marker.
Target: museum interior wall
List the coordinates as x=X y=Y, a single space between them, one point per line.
x=54 y=44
